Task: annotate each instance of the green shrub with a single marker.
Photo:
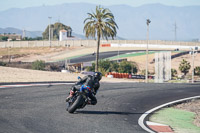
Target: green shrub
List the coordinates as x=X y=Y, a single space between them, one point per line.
x=105 y=64
x=143 y=72
x=2 y=63
x=92 y=68
x=127 y=67
x=102 y=70
x=53 y=67
x=184 y=66
x=114 y=67
x=197 y=71
x=108 y=66
x=38 y=65
x=173 y=73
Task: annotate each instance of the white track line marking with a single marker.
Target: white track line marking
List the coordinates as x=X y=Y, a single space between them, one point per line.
x=153 y=123
x=28 y=85
x=142 y=117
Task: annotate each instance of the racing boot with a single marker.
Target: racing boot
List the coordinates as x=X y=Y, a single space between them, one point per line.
x=70 y=96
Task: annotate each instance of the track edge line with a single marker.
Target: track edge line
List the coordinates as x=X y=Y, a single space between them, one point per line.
x=143 y=116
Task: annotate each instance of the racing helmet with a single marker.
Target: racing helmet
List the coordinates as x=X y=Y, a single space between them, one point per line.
x=98 y=75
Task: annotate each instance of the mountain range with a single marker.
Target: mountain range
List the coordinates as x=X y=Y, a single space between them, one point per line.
x=165 y=20
x=11 y=30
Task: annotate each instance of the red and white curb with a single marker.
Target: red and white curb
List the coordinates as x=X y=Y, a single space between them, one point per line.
x=143 y=123
x=160 y=128
x=29 y=85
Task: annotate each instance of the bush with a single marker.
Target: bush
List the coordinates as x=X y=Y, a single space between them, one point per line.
x=92 y=68
x=102 y=70
x=127 y=67
x=54 y=67
x=173 y=73
x=108 y=66
x=38 y=65
x=114 y=66
x=197 y=71
x=143 y=72
x=2 y=63
x=184 y=66
x=105 y=64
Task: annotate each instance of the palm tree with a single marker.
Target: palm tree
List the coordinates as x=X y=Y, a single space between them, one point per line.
x=100 y=24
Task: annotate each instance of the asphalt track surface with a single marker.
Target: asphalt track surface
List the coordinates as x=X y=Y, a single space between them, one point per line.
x=102 y=55
x=41 y=109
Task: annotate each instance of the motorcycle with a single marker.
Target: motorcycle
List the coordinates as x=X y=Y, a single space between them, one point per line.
x=79 y=99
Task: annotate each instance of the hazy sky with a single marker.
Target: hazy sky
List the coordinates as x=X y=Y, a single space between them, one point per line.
x=6 y=4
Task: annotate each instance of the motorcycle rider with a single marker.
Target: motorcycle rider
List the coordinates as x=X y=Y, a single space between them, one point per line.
x=91 y=82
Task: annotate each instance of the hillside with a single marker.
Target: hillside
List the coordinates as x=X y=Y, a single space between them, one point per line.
x=131 y=20
x=11 y=30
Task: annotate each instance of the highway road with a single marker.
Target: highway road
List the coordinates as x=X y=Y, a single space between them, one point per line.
x=41 y=109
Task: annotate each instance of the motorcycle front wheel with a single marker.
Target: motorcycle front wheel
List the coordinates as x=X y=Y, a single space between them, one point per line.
x=79 y=101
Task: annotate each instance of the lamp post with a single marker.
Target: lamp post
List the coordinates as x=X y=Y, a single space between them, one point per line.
x=50 y=31
x=118 y=51
x=147 y=50
x=193 y=52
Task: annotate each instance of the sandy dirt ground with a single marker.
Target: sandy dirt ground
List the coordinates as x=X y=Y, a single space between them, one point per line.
x=59 y=53
x=8 y=74
x=52 y=54
x=141 y=60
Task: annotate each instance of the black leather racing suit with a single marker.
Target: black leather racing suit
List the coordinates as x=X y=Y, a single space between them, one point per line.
x=94 y=85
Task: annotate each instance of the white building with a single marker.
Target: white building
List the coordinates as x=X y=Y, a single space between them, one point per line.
x=65 y=35
x=62 y=35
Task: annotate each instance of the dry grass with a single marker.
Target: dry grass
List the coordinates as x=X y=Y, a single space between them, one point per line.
x=32 y=50
x=9 y=74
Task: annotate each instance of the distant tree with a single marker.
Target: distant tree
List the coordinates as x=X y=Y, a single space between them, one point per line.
x=38 y=38
x=4 y=38
x=31 y=39
x=184 y=66
x=56 y=29
x=25 y=38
